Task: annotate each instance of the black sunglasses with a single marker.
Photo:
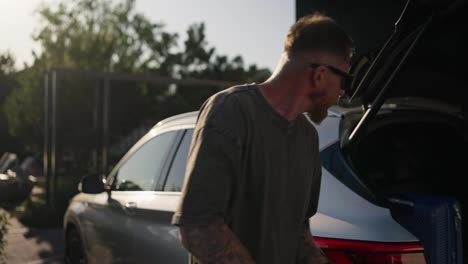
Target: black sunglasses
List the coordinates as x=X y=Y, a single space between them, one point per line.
x=346 y=80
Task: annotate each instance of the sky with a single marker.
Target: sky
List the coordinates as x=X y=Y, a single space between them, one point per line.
x=254 y=29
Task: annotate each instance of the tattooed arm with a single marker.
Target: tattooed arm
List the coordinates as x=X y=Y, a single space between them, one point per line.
x=309 y=252
x=214 y=244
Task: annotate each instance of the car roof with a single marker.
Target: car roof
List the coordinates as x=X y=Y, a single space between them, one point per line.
x=328 y=129
x=185 y=119
x=190 y=118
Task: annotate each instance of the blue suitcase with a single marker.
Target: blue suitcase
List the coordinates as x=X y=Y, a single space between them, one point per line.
x=436 y=221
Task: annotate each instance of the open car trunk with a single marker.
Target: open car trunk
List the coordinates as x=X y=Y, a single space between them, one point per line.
x=410 y=146
x=417 y=153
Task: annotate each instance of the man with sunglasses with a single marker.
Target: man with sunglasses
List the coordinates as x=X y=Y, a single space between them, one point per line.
x=346 y=79
x=253 y=173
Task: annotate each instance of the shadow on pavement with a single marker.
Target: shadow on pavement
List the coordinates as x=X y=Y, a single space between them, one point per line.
x=34 y=234
x=33 y=245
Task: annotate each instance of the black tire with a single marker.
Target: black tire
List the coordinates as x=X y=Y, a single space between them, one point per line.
x=74 y=253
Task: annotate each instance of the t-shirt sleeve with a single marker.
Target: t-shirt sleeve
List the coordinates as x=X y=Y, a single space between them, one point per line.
x=212 y=166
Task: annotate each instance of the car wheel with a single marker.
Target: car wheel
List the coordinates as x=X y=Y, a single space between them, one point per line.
x=74 y=253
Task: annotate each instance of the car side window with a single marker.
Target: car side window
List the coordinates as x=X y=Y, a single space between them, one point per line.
x=176 y=175
x=143 y=169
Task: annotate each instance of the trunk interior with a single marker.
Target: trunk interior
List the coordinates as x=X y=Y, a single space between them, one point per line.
x=415 y=152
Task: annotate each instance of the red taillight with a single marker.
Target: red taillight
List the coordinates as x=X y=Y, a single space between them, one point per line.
x=352 y=252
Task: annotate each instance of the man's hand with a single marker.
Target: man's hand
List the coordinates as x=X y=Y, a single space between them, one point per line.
x=214 y=244
x=309 y=252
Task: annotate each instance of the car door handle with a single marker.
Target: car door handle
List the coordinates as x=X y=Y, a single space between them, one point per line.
x=130 y=208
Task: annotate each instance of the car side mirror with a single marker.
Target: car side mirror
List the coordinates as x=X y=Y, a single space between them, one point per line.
x=92 y=183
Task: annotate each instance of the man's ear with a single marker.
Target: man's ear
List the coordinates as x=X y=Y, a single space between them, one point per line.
x=317 y=78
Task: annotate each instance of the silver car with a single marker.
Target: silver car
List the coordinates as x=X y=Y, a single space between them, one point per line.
x=127 y=218
x=401 y=131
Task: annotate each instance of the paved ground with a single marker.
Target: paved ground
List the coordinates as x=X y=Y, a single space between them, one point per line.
x=32 y=245
x=28 y=245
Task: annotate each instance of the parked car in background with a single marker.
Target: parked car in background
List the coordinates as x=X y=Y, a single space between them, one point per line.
x=16 y=178
x=401 y=136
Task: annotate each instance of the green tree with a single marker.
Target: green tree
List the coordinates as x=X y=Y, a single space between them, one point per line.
x=199 y=60
x=110 y=36
x=7 y=83
x=23 y=108
x=7 y=64
x=84 y=35
x=101 y=36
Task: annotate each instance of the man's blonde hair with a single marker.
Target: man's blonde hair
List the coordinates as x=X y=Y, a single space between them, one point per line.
x=318 y=33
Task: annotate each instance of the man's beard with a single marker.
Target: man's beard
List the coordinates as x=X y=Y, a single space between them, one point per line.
x=318 y=115
x=318 y=110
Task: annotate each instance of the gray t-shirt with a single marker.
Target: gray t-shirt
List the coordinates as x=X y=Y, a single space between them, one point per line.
x=254 y=170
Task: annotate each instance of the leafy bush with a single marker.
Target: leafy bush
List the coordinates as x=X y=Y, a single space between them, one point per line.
x=3 y=230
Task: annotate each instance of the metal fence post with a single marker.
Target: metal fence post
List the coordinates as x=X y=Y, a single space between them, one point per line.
x=53 y=149
x=105 y=124
x=46 y=153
